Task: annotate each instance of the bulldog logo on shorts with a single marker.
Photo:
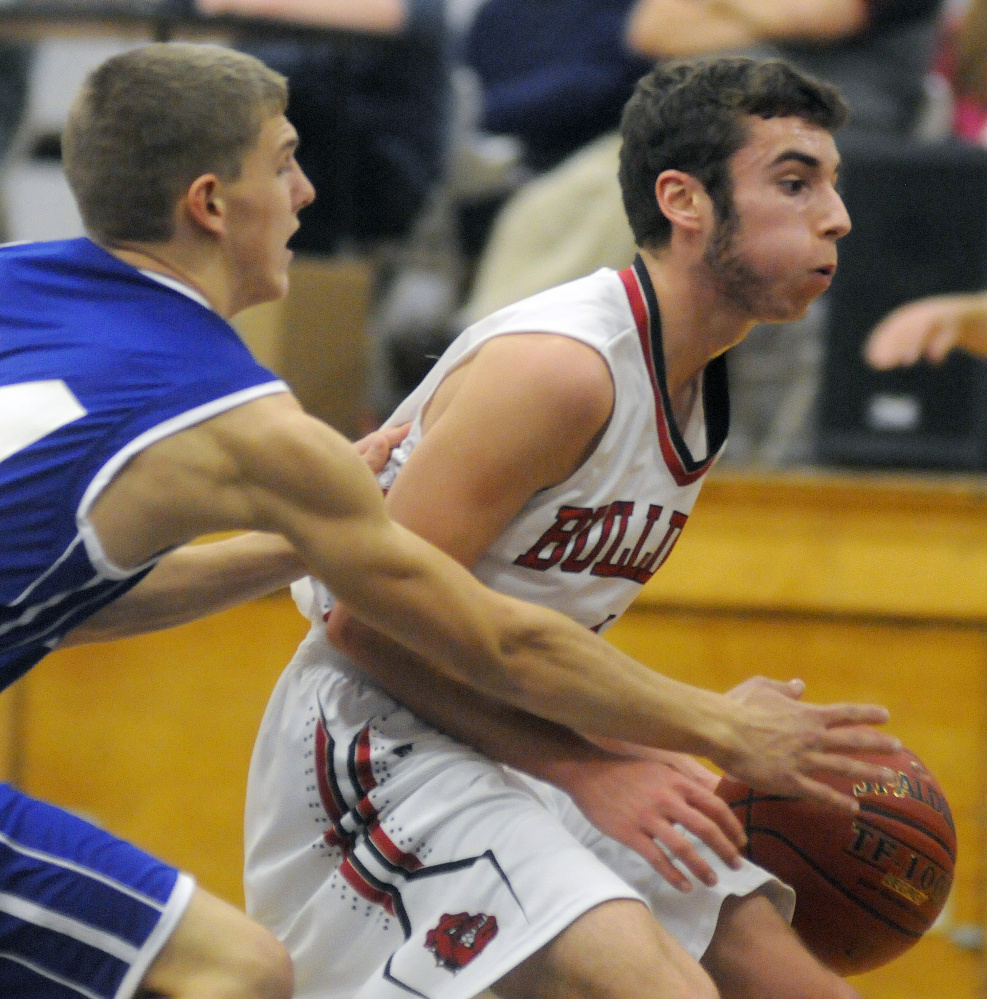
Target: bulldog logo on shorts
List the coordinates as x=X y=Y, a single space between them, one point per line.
x=459 y=938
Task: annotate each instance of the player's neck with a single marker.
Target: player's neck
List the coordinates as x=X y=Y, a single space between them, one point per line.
x=159 y=258
x=694 y=327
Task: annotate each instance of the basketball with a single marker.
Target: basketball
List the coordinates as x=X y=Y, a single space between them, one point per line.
x=867 y=886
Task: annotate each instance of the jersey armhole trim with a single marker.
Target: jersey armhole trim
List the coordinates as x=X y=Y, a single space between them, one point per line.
x=170 y=918
x=94 y=548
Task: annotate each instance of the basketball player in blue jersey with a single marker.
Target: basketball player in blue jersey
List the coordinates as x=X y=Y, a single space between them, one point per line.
x=134 y=420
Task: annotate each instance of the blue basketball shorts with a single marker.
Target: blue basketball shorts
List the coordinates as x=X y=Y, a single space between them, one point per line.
x=82 y=913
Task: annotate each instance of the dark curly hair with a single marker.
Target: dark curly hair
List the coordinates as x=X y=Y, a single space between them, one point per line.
x=692 y=116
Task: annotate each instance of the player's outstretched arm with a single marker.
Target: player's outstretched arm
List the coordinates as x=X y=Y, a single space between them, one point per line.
x=929 y=328
x=194 y=581
x=200 y=579
x=773 y=742
x=268 y=466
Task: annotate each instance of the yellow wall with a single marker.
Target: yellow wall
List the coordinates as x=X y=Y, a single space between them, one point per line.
x=151 y=737
x=870 y=590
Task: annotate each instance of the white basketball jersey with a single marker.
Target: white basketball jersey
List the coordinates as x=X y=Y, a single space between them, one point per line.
x=393 y=860
x=586 y=546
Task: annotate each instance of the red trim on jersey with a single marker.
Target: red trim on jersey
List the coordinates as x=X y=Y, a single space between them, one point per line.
x=364 y=768
x=642 y=317
x=640 y=309
x=367 y=813
x=365 y=809
x=364 y=888
x=390 y=850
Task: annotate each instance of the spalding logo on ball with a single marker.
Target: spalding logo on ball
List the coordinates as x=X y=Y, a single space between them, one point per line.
x=867 y=886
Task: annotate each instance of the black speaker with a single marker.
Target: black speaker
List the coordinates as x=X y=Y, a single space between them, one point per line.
x=919 y=213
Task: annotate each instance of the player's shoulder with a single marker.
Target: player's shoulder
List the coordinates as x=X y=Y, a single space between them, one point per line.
x=553 y=374
x=602 y=289
x=593 y=308
x=272 y=438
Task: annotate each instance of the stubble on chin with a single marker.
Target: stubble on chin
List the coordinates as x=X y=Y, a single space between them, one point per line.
x=739 y=284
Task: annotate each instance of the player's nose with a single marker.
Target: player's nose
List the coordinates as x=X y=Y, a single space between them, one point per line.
x=304 y=192
x=836 y=218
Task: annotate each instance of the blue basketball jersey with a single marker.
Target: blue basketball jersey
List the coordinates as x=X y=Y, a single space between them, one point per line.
x=97 y=362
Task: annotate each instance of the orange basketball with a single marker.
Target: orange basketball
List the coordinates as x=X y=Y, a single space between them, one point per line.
x=867 y=886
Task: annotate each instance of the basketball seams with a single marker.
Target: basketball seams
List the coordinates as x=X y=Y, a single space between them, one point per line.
x=911 y=824
x=841 y=889
x=867 y=888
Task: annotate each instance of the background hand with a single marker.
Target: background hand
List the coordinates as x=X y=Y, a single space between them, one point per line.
x=928 y=328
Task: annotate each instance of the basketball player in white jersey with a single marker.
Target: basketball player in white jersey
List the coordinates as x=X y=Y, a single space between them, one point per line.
x=556 y=449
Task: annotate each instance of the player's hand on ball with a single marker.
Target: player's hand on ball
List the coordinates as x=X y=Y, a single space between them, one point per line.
x=639 y=801
x=788 y=745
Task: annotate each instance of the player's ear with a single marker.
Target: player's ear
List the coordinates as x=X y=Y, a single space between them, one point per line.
x=683 y=200
x=204 y=203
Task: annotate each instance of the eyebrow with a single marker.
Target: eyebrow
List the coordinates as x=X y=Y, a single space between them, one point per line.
x=799 y=157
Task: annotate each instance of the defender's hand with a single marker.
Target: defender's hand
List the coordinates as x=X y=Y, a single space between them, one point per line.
x=789 y=745
x=376 y=447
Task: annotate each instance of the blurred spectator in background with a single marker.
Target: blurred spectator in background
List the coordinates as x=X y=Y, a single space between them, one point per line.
x=15 y=65
x=554 y=75
x=929 y=328
x=536 y=81
x=960 y=65
x=372 y=113
x=877 y=52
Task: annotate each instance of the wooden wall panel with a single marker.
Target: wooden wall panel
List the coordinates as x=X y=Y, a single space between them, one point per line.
x=871 y=588
x=152 y=736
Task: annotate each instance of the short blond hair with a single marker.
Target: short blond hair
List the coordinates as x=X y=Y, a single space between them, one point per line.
x=148 y=122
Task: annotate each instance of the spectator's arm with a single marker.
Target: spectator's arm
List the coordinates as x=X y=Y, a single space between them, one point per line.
x=384 y=16
x=681 y=28
x=804 y=21
x=677 y=29
x=929 y=328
